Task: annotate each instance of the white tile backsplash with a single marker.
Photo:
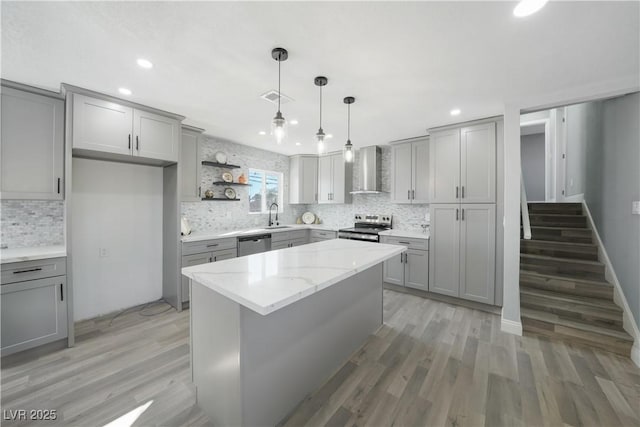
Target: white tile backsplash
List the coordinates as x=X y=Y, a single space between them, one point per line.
x=29 y=223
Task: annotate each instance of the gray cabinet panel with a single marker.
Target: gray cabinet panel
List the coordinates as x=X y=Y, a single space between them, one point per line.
x=417 y=269
x=444 y=166
x=303 y=182
x=477 y=252
x=401 y=173
x=190 y=248
x=100 y=125
x=325 y=179
x=156 y=137
x=280 y=245
x=32 y=148
x=393 y=270
x=190 y=165
x=224 y=254
x=33 y=313
x=420 y=171
x=189 y=261
x=444 y=259
x=31 y=270
x=339 y=176
x=478 y=163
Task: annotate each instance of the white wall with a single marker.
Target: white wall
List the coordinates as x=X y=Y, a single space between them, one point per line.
x=118 y=207
x=613 y=183
x=532 y=151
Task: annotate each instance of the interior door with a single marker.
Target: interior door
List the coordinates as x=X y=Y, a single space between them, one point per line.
x=156 y=137
x=477 y=252
x=444 y=249
x=417 y=269
x=478 y=164
x=324 y=179
x=393 y=270
x=420 y=172
x=444 y=166
x=102 y=125
x=401 y=183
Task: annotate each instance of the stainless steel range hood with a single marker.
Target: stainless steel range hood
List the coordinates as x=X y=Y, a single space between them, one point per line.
x=369 y=175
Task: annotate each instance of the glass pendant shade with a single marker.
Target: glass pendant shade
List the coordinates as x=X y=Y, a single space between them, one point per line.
x=279 y=128
x=348 y=152
x=320 y=135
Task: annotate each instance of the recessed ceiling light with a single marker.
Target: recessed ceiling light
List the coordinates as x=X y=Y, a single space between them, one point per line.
x=455 y=112
x=124 y=91
x=293 y=122
x=528 y=7
x=262 y=132
x=297 y=143
x=329 y=135
x=145 y=63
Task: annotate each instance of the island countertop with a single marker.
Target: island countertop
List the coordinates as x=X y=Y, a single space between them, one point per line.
x=269 y=281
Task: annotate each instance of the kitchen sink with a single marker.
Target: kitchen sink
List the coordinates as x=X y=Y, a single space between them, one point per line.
x=272 y=227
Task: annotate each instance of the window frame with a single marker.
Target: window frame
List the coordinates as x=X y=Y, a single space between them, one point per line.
x=264 y=209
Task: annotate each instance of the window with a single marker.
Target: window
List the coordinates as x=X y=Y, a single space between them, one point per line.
x=265 y=189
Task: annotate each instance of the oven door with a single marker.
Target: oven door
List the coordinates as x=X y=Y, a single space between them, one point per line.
x=358 y=236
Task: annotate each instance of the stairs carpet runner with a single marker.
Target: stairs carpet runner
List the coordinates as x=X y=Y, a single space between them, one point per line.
x=563 y=291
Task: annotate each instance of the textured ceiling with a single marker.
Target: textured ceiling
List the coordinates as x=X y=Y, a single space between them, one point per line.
x=406 y=63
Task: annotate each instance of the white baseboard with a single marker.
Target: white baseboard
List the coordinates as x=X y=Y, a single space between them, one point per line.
x=510 y=326
x=628 y=322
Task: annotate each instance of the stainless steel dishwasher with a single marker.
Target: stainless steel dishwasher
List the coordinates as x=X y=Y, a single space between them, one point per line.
x=254 y=244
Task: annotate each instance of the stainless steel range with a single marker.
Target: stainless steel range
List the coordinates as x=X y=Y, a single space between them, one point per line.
x=367 y=228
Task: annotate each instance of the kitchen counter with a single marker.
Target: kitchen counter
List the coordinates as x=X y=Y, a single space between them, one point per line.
x=406 y=233
x=212 y=235
x=268 y=329
x=32 y=253
x=269 y=281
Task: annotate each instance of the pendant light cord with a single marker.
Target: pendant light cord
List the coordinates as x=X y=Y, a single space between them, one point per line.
x=321 y=107
x=279 y=92
x=348 y=122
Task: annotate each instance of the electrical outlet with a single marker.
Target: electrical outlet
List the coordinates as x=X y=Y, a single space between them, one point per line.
x=102 y=252
x=635 y=207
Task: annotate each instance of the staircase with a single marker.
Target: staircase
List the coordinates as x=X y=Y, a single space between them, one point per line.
x=563 y=291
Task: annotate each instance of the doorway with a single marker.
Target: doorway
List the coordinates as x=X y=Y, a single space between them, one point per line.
x=537 y=148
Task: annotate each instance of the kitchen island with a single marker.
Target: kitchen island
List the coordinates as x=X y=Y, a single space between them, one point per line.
x=268 y=329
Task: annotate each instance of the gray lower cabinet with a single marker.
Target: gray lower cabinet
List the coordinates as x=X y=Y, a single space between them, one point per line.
x=32 y=147
x=321 y=235
x=34 y=312
x=203 y=258
x=411 y=268
x=289 y=239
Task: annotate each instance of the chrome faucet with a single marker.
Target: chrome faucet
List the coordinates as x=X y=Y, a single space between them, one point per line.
x=270 y=207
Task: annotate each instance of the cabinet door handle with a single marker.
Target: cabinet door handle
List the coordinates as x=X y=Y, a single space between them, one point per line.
x=58 y=185
x=28 y=271
x=137 y=143
x=401 y=258
x=129 y=141
x=199 y=191
x=456 y=214
x=210 y=259
x=61 y=292
x=408 y=194
x=463 y=191
x=413 y=194
x=463 y=214
x=215 y=258
x=456 y=191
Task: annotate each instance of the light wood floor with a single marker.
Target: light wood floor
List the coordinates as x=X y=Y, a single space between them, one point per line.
x=430 y=364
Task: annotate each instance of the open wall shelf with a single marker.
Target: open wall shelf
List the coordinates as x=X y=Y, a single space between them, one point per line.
x=219 y=165
x=223 y=199
x=229 y=183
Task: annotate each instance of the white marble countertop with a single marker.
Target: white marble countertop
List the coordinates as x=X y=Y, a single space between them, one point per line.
x=32 y=254
x=406 y=233
x=269 y=281
x=212 y=235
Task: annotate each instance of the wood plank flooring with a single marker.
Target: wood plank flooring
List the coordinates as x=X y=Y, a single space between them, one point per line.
x=431 y=364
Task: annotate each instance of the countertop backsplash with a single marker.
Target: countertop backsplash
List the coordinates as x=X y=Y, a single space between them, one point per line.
x=31 y=223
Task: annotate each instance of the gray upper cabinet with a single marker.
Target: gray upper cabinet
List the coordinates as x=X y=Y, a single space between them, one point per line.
x=32 y=148
x=106 y=129
x=410 y=172
x=335 y=179
x=103 y=126
x=190 y=164
x=303 y=179
x=463 y=165
x=156 y=136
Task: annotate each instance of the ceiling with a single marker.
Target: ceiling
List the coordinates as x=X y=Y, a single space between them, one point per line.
x=407 y=63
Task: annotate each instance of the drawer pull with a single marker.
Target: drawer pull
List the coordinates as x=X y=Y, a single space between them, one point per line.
x=28 y=271
x=405 y=243
x=213 y=245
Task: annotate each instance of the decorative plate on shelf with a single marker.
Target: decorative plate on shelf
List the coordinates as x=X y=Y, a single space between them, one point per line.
x=221 y=157
x=229 y=193
x=308 y=217
x=227 y=177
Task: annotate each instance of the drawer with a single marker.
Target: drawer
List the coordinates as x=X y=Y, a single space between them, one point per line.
x=420 y=244
x=190 y=248
x=289 y=235
x=224 y=254
x=31 y=270
x=323 y=234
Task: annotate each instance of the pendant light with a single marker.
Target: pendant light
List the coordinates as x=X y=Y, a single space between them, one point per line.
x=348 y=148
x=320 y=81
x=279 y=124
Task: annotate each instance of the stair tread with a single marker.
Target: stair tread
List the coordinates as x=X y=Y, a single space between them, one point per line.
x=553 y=258
x=543 y=227
x=557 y=214
x=559 y=277
x=556 y=242
x=554 y=297
x=544 y=316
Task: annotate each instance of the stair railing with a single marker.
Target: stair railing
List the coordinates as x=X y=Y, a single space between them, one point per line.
x=524 y=210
